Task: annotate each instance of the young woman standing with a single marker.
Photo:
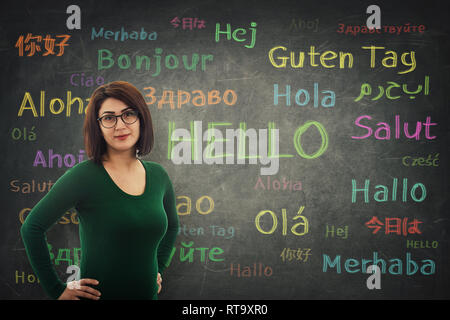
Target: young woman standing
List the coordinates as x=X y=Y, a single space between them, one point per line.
x=126 y=207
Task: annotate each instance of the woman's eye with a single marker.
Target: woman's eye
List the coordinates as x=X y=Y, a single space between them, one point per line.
x=130 y=114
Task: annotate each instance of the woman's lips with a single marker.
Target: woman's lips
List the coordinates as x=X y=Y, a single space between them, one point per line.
x=122 y=137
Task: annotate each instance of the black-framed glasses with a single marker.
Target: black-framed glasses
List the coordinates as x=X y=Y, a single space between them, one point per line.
x=110 y=120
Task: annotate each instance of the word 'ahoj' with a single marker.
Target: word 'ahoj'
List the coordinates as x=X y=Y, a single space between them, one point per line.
x=190 y=146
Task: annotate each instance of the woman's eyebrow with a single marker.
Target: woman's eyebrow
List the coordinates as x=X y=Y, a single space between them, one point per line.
x=113 y=111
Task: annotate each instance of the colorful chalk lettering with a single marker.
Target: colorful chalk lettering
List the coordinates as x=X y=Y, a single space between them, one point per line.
x=56 y=106
x=188 y=23
x=393 y=266
x=32 y=44
x=123 y=35
x=418 y=192
x=383 y=129
x=106 y=60
x=237 y=34
x=68 y=160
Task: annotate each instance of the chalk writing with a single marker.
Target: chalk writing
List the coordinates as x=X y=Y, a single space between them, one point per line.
x=394 y=225
x=199 y=98
x=278 y=60
x=420 y=244
x=366 y=90
x=215 y=231
x=32 y=44
x=188 y=254
x=30 y=278
x=304 y=225
x=80 y=80
x=278 y=185
x=18 y=186
x=236 y=34
x=352 y=265
x=409 y=161
x=298 y=254
x=302 y=97
x=188 y=23
x=303 y=24
x=185 y=207
x=383 y=131
x=17 y=134
x=123 y=35
x=28 y=100
x=69 y=159
x=341 y=232
x=257 y=270
x=106 y=60
x=391 y=58
x=406 y=28
x=64 y=255
x=382 y=194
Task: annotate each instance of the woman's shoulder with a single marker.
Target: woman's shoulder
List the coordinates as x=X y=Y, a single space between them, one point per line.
x=84 y=166
x=84 y=170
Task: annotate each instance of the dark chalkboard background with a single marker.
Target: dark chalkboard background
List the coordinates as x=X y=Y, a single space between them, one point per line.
x=326 y=181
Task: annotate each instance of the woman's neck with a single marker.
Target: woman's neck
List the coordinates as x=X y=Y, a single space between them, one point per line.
x=121 y=162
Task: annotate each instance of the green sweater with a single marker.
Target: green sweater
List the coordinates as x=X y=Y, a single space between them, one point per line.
x=125 y=239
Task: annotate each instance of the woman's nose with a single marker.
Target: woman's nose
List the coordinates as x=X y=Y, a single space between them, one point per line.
x=120 y=123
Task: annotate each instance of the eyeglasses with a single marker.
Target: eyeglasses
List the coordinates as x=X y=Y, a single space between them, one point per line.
x=110 y=121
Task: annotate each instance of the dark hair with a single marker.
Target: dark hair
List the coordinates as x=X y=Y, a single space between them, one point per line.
x=94 y=143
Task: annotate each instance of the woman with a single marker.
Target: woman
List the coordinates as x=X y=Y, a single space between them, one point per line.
x=126 y=206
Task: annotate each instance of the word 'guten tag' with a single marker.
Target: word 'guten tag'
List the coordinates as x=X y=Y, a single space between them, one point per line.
x=280 y=58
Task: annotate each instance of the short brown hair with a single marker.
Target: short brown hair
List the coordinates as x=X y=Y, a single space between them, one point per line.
x=94 y=143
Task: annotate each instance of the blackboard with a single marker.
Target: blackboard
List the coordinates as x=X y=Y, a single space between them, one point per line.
x=333 y=182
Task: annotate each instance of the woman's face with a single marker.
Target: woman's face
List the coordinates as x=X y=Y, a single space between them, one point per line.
x=112 y=106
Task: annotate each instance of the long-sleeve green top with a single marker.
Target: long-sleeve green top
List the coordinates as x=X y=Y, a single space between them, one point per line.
x=125 y=239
